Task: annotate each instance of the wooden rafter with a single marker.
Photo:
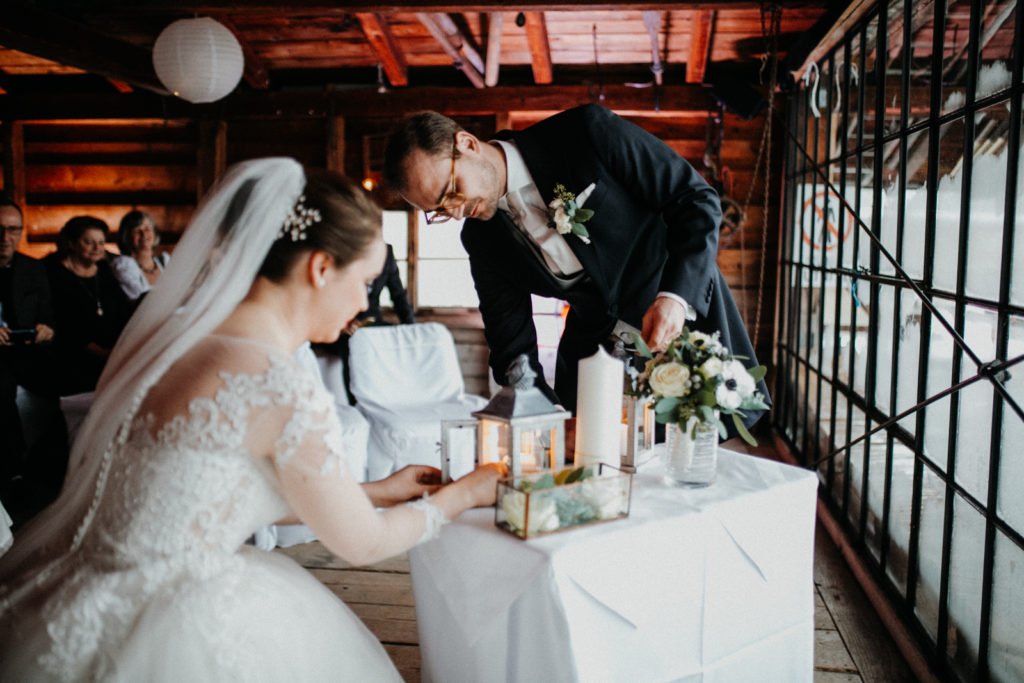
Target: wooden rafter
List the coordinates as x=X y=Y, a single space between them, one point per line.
x=335 y=8
x=703 y=26
x=493 y=65
x=540 y=47
x=378 y=34
x=652 y=22
x=255 y=73
x=677 y=100
x=54 y=37
x=456 y=46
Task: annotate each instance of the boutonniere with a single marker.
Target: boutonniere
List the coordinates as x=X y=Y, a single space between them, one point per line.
x=568 y=214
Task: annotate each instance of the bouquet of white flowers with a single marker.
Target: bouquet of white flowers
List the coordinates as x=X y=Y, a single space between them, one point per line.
x=697 y=377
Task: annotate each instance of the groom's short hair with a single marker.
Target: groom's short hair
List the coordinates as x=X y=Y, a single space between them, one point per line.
x=428 y=131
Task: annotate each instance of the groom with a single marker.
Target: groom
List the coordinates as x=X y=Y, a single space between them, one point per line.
x=642 y=253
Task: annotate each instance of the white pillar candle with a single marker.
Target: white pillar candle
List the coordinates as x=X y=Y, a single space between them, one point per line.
x=599 y=409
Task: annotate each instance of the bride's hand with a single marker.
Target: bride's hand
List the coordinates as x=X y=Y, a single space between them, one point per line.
x=410 y=482
x=481 y=483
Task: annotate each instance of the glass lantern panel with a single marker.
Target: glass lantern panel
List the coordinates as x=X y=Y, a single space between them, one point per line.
x=494 y=442
x=534 y=454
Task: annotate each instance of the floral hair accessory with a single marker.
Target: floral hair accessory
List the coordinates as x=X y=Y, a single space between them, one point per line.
x=568 y=214
x=298 y=219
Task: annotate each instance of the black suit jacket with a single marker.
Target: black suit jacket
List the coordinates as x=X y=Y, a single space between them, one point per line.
x=655 y=228
x=30 y=294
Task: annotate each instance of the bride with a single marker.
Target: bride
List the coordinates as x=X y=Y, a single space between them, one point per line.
x=205 y=428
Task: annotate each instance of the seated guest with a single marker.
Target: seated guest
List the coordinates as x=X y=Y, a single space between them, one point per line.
x=26 y=330
x=389 y=277
x=138 y=267
x=90 y=309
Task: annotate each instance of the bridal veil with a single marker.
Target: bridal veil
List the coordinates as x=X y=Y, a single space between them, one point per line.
x=213 y=268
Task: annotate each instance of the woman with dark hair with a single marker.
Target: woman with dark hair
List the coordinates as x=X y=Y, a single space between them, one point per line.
x=89 y=307
x=205 y=428
x=139 y=266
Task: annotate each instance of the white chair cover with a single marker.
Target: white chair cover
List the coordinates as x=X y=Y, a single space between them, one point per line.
x=406 y=379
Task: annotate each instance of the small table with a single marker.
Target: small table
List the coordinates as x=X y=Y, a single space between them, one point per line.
x=710 y=584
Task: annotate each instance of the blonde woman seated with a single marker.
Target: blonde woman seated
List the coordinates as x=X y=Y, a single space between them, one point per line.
x=205 y=428
x=139 y=266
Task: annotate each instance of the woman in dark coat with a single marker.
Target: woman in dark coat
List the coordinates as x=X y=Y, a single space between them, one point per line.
x=90 y=308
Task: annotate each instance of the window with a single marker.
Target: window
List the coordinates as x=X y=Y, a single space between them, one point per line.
x=442 y=266
x=903 y=264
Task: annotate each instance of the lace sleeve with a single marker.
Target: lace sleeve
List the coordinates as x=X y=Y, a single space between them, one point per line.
x=433 y=515
x=314 y=480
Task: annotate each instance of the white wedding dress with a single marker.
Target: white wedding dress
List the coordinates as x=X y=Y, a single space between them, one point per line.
x=162 y=586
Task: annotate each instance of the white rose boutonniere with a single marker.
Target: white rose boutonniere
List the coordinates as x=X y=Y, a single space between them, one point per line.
x=568 y=214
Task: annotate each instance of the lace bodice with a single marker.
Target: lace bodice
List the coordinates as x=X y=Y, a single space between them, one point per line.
x=192 y=486
x=218 y=449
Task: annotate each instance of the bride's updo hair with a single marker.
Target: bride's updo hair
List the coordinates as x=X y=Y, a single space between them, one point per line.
x=341 y=219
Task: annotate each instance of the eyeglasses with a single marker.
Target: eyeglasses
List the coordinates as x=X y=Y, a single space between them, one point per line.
x=452 y=200
x=13 y=229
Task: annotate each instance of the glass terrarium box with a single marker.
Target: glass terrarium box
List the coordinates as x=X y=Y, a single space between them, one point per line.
x=540 y=503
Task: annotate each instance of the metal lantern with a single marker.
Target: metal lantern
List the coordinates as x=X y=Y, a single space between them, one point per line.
x=520 y=427
x=638 y=417
x=198 y=60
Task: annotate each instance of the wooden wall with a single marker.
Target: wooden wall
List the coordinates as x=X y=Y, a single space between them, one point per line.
x=106 y=167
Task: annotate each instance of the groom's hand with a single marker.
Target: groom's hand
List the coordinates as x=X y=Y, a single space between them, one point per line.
x=663 y=322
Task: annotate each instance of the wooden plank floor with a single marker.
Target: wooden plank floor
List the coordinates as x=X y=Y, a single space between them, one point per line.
x=851 y=644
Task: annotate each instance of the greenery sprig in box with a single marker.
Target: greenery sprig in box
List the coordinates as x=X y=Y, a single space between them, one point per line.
x=543 y=502
x=697 y=380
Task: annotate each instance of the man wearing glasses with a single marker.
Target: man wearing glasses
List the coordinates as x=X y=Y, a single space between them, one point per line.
x=645 y=259
x=25 y=324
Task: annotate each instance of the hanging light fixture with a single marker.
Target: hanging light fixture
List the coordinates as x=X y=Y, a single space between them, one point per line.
x=198 y=60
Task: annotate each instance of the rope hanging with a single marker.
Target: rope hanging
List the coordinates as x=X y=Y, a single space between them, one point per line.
x=771 y=19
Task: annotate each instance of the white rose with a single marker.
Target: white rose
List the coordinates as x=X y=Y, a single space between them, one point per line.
x=712 y=367
x=556 y=204
x=606 y=495
x=543 y=512
x=669 y=379
x=562 y=222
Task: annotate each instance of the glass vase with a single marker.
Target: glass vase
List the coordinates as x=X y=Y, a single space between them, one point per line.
x=691 y=460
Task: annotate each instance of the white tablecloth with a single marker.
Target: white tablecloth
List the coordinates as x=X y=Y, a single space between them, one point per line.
x=709 y=584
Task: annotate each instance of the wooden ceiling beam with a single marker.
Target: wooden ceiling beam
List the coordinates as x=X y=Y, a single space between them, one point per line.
x=68 y=42
x=378 y=34
x=464 y=57
x=702 y=22
x=255 y=73
x=673 y=100
x=652 y=22
x=493 y=64
x=540 y=47
x=334 y=8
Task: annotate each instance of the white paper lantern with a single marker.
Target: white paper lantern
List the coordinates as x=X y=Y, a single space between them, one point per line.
x=198 y=60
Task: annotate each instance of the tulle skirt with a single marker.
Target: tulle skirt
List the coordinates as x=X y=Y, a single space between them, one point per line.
x=262 y=619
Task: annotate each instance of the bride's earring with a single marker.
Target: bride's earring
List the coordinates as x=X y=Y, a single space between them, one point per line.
x=320 y=281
